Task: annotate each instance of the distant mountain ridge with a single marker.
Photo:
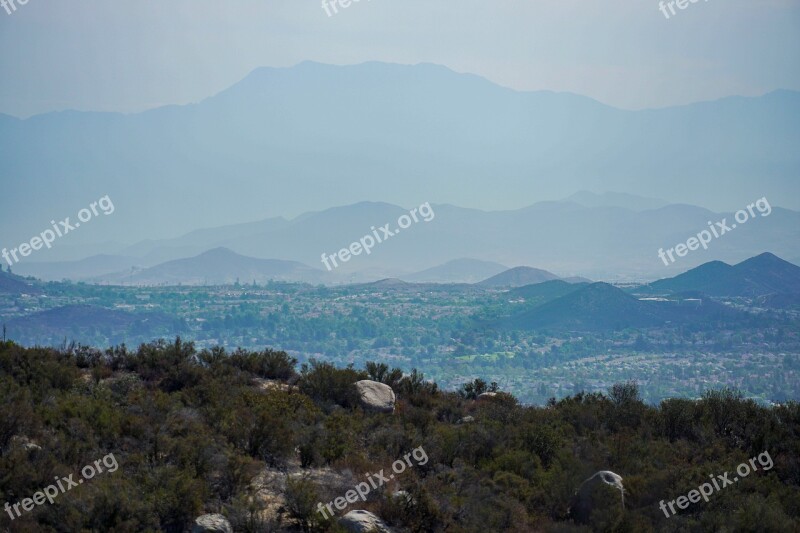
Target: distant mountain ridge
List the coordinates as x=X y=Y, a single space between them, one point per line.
x=289 y=140
x=766 y=278
x=457 y=271
x=564 y=237
x=219 y=266
x=615 y=199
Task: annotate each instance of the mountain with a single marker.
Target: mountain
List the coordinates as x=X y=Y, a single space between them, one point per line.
x=576 y=279
x=517 y=277
x=16 y=285
x=601 y=306
x=616 y=199
x=762 y=275
x=388 y=283
x=772 y=273
x=458 y=271
x=545 y=291
x=81 y=270
x=593 y=307
x=195 y=242
x=218 y=266
x=596 y=242
x=287 y=140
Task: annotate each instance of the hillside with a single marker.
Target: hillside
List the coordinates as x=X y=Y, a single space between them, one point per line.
x=218 y=267
x=15 y=285
x=593 y=307
x=458 y=271
x=518 y=277
x=762 y=275
x=600 y=306
x=772 y=273
x=91 y=267
x=172 y=434
x=90 y=323
x=545 y=291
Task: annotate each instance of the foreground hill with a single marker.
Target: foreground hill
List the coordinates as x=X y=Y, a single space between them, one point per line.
x=763 y=275
x=177 y=434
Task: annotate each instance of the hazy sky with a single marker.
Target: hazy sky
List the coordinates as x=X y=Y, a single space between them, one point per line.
x=131 y=55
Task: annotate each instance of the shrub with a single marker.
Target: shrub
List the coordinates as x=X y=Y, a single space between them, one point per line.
x=328 y=385
x=269 y=364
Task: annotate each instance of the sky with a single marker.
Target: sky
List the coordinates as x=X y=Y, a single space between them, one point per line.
x=128 y=56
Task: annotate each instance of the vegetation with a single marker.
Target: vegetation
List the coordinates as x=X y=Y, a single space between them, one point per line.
x=196 y=432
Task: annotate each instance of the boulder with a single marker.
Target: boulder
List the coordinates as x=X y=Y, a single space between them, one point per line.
x=597 y=492
x=363 y=522
x=212 y=523
x=376 y=396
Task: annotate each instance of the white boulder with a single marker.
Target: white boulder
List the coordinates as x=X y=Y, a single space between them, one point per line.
x=376 y=396
x=363 y=522
x=212 y=523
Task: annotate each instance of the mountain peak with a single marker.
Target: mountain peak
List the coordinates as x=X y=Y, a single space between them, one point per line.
x=219 y=253
x=764 y=260
x=763 y=274
x=518 y=276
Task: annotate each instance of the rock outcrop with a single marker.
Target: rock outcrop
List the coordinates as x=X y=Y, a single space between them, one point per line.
x=363 y=522
x=212 y=523
x=595 y=491
x=376 y=396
